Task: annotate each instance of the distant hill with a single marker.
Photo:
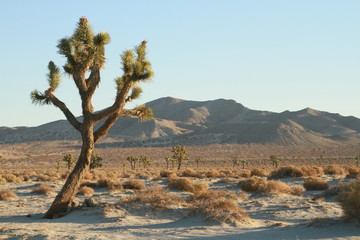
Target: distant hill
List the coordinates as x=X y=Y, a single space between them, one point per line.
x=207 y=122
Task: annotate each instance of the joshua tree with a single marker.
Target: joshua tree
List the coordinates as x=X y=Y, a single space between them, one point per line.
x=168 y=160
x=275 y=160
x=69 y=159
x=145 y=160
x=235 y=161
x=85 y=57
x=132 y=160
x=198 y=160
x=244 y=162
x=95 y=161
x=180 y=155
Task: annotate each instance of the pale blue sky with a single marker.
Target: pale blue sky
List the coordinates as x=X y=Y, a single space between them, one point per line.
x=267 y=55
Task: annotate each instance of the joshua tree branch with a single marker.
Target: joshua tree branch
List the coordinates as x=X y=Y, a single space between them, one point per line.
x=68 y=114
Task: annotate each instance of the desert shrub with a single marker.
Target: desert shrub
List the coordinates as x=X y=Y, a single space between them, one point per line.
x=43 y=189
x=334 y=170
x=287 y=172
x=189 y=172
x=319 y=170
x=187 y=185
x=297 y=190
x=219 y=206
x=348 y=198
x=213 y=173
x=156 y=197
x=315 y=183
x=12 y=178
x=166 y=173
x=262 y=185
x=7 y=195
x=258 y=172
x=134 y=184
x=115 y=186
x=353 y=171
x=228 y=173
x=252 y=184
x=244 y=174
x=104 y=182
x=309 y=171
x=3 y=180
x=86 y=191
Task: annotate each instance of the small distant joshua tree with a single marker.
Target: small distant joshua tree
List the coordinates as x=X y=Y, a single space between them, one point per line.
x=169 y=160
x=145 y=160
x=235 y=161
x=179 y=155
x=132 y=160
x=84 y=53
x=244 y=162
x=96 y=161
x=199 y=160
x=70 y=160
x=275 y=160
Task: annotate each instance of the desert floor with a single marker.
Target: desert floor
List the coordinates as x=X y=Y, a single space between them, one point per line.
x=272 y=216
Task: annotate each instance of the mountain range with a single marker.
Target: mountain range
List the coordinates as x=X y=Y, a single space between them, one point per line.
x=218 y=121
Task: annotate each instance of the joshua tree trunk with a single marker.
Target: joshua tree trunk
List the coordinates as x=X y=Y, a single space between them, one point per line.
x=64 y=200
x=85 y=54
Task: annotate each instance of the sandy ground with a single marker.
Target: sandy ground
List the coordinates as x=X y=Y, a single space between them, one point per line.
x=273 y=217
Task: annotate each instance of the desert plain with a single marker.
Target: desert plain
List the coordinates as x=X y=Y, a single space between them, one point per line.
x=210 y=199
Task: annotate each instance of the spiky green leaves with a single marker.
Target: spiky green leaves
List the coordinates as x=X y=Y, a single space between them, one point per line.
x=83 y=50
x=144 y=113
x=135 y=65
x=135 y=93
x=39 y=98
x=102 y=39
x=54 y=76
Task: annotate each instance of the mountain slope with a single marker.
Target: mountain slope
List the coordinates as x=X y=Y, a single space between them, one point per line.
x=207 y=122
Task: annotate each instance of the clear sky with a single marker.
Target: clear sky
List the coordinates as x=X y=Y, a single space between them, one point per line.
x=273 y=55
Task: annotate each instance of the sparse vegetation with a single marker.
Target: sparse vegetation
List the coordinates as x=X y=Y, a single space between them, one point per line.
x=8 y=195
x=219 y=206
x=156 y=197
x=287 y=172
x=96 y=161
x=187 y=185
x=86 y=191
x=348 y=198
x=315 y=183
x=134 y=184
x=43 y=189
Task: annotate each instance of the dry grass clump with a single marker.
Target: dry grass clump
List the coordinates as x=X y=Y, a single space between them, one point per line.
x=315 y=183
x=244 y=173
x=187 y=185
x=334 y=170
x=7 y=195
x=312 y=171
x=348 y=198
x=189 y=172
x=228 y=173
x=88 y=176
x=156 y=197
x=262 y=185
x=258 y=172
x=252 y=184
x=287 y=172
x=134 y=184
x=2 y=180
x=167 y=173
x=86 y=191
x=219 y=206
x=213 y=173
x=12 y=178
x=43 y=189
x=353 y=171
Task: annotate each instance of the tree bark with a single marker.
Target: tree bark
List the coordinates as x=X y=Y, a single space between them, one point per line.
x=63 y=201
